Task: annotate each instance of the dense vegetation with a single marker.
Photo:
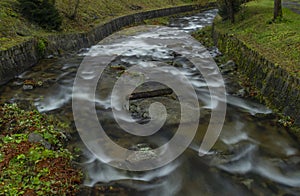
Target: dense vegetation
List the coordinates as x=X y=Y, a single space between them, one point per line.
x=33 y=157
x=42 y=12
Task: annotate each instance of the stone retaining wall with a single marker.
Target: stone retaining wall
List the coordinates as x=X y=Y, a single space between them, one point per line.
x=16 y=59
x=19 y=58
x=277 y=87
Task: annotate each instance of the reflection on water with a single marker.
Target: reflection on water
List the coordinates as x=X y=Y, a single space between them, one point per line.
x=252 y=156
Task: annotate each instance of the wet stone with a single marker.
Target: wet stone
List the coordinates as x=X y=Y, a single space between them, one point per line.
x=228 y=67
x=268 y=116
x=27 y=87
x=118 y=67
x=241 y=93
x=37 y=138
x=141 y=152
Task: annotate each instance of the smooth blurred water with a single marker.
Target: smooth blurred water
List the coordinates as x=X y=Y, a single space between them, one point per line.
x=253 y=155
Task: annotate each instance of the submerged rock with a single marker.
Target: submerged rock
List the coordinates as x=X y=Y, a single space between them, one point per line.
x=142 y=152
x=233 y=156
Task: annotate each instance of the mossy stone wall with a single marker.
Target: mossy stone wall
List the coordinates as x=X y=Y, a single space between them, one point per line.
x=277 y=87
x=17 y=59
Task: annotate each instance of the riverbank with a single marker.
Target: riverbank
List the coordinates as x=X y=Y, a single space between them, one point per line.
x=17 y=59
x=267 y=54
x=16 y=29
x=249 y=89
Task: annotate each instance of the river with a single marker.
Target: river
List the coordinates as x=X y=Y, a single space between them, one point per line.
x=253 y=155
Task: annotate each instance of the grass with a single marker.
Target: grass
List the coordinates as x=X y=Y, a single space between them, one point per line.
x=204 y=36
x=278 y=41
x=14 y=28
x=28 y=167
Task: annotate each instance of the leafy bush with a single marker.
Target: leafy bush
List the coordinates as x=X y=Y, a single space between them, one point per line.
x=42 y=12
x=41 y=46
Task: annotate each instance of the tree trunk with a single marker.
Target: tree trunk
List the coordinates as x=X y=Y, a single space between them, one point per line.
x=231 y=7
x=73 y=16
x=230 y=10
x=277 y=9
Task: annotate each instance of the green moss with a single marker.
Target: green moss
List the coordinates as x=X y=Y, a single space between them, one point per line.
x=204 y=36
x=41 y=46
x=158 y=21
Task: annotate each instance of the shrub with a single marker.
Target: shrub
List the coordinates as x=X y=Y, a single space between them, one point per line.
x=43 y=12
x=41 y=46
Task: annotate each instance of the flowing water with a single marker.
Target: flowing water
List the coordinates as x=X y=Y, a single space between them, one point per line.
x=252 y=156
